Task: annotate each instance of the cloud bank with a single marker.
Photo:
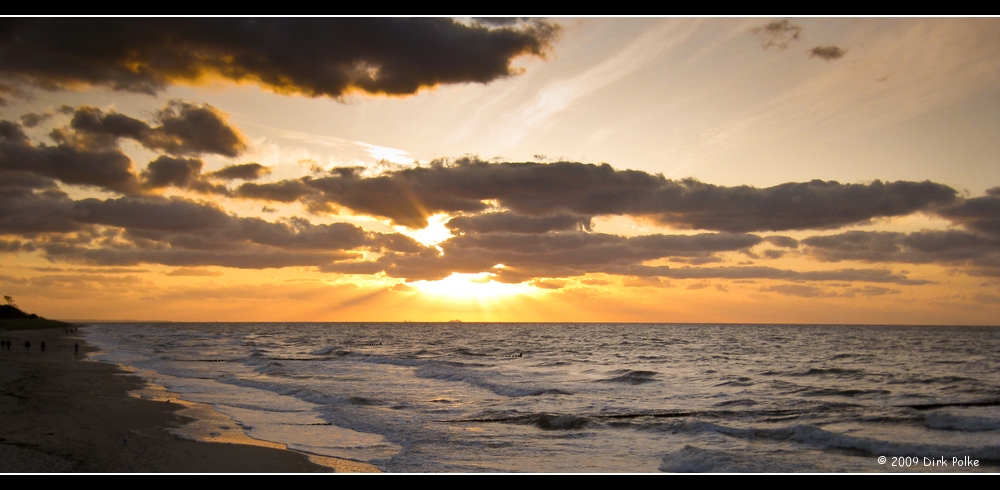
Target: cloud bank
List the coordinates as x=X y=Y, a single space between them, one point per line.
x=519 y=222
x=409 y=196
x=309 y=56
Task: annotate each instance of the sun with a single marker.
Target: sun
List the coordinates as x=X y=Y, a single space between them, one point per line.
x=434 y=233
x=473 y=287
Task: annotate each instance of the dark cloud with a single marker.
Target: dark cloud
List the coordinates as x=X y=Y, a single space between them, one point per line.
x=980 y=214
x=987 y=298
x=778 y=34
x=409 y=196
x=816 y=292
x=535 y=219
x=64 y=286
x=353 y=267
x=190 y=224
x=178 y=232
x=245 y=171
x=799 y=290
x=310 y=56
x=549 y=284
x=11 y=280
x=978 y=255
x=20 y=181
x=869 y=291
x=88 y=270
x=71 y=161
x=538 y=256
x=169 y=215
x=183 y=233
x=184 y=129
x=827 y=53
x=183 y=173
x=12 y=246
x=513 y=223
x=243 y=256
x=284 y=191
x=642 y=282
x=193 y=272
x=32 y=119
x=187 y=129
x=299 y=234
x=782 y=241
x=758 y=272
x=179 y=172
x=499 y=21
x=11 y=132
x=8 y=90
x=923 y=247
x=774 y=254
x=87 y=152
x=26 y=212
x=808 y=205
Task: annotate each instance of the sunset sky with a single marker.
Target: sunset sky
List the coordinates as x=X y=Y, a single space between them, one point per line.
x=779 y=170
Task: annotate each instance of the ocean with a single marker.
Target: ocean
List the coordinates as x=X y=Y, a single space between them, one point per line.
x=599 y=398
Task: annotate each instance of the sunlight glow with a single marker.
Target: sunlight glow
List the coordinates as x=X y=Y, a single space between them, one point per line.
x=385 y=153
x=479 y=287
x=435 y=232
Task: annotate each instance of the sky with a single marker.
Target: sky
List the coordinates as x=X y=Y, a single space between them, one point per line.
x=733 y=170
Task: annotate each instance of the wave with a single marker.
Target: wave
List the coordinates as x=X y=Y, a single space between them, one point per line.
x=630 y=377
x=560 y=422
x=824 y=439
x=743 y=402
x=948 y=421
x=324 y=351
x=850 y=393
x=483 y=380
x=546 y=421
x=931 y=406
x=838 y=372
x=740 y=381
x=690 y=459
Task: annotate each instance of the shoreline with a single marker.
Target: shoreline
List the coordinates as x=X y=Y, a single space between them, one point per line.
x=67 y=414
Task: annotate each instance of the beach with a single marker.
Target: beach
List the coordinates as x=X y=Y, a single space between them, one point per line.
x=497 y=398
x=63 y=413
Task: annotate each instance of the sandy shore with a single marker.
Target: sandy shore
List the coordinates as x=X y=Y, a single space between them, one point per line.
x=62 y=413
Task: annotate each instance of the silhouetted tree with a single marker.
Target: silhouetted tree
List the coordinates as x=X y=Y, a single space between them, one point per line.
x=10 y=301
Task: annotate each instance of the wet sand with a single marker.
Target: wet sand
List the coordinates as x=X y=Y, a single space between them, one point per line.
x=63 y=413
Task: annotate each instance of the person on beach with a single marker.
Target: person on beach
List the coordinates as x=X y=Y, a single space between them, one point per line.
x=76 y=349
x=27 y=346
x=43 y=347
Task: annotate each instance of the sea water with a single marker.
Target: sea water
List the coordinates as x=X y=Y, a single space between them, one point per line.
x=549 y=397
